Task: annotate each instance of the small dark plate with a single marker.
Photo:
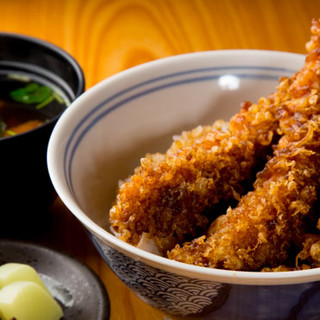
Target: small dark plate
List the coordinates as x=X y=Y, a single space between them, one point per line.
x=78 y=290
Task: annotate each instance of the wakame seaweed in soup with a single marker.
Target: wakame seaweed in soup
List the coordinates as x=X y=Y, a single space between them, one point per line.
x=26 y=102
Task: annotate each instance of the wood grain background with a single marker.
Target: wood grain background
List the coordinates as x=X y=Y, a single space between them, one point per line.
x=107 y=36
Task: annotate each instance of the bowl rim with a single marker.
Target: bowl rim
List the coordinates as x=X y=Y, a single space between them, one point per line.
x=212 y=274
x=62 y=53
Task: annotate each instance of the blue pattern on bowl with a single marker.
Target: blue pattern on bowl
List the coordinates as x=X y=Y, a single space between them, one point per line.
x=209 y=300
x=166 y=291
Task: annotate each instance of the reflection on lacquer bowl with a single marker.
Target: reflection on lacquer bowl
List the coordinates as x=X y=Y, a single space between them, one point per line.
x=100 y=139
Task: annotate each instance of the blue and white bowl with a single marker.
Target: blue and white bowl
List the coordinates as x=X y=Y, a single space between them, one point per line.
x=103 y=134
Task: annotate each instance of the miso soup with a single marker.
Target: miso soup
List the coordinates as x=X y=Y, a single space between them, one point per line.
x=26 y=102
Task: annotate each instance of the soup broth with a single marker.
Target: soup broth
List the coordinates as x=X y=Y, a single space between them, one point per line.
x=26 y=102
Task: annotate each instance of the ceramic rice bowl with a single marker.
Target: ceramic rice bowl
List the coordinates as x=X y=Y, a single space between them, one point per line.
x=103 y=134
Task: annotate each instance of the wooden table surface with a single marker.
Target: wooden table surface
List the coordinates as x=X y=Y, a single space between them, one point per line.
x=107 y=36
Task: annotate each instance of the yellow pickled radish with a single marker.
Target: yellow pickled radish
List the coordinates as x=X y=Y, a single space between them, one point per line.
x=26 y=300
x=12 y=272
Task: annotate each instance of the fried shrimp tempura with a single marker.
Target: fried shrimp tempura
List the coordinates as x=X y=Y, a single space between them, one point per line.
x=267 y=221
x=170 y=195
x=261 y=229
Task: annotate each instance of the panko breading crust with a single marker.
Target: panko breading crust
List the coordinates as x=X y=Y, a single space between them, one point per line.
x=170 y=195
x=268 y=220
